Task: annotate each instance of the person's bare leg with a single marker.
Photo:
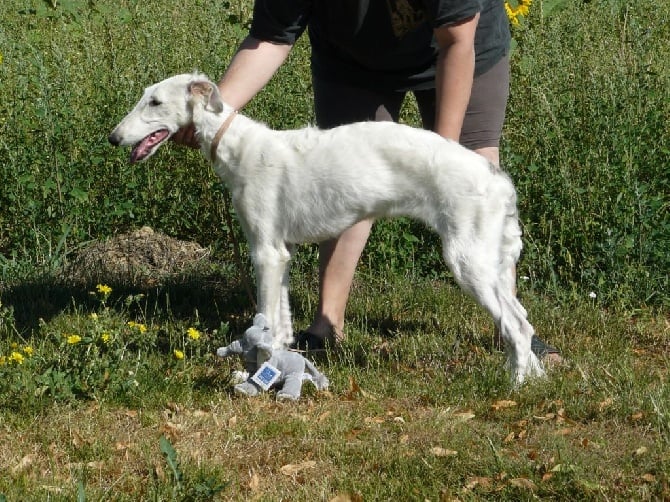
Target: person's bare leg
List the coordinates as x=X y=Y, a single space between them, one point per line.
x=337 y=264
x=490 y=153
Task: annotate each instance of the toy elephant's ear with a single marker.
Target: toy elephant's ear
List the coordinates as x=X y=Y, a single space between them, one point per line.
x=264 y=352
x=260 y=321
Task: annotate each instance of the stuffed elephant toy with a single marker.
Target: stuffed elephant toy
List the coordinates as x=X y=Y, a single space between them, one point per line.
x=271 y=368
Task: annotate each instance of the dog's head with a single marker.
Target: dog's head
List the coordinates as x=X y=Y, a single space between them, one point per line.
x=164 y=108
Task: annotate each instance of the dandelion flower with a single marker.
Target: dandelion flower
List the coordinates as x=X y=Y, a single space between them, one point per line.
x=73 y=339
x=28 y=350
x=178 y=354
x=193 y=333
x=16 y=357
x=139 y=327
x=94 y=316
x=103 y=289
x=105 y=337
x=3 y=360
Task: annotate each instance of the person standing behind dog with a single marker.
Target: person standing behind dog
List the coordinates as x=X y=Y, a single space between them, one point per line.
x=366 y=56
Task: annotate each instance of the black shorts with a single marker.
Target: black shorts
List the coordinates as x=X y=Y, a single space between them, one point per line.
x=338 y=104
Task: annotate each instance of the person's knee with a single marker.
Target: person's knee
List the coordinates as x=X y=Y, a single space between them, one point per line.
x=490 y=153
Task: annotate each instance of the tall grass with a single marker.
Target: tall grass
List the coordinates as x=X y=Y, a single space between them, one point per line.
x=586 y=138
x=588 y=142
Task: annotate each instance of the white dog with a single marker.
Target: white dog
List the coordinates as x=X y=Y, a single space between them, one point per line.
x=309 y=185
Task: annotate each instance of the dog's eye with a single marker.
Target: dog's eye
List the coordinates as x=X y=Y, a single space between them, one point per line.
x=155 y=102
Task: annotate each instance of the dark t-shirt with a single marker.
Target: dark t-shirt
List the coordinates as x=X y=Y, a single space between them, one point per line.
x=383 y=44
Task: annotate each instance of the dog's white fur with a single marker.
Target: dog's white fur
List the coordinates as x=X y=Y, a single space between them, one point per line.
x=309 y=185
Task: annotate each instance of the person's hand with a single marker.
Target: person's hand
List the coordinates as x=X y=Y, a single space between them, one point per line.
x=186 y=137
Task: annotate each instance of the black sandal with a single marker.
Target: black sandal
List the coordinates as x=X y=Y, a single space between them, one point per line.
x=311 y=343
x=541 y=348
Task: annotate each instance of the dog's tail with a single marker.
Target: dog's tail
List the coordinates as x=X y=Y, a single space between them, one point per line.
x=513 y=316
x=511 y=243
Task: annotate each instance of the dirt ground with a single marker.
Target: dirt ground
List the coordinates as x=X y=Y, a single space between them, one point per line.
x=141 y=258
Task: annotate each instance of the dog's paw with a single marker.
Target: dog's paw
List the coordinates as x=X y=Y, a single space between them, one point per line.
x=520 y=373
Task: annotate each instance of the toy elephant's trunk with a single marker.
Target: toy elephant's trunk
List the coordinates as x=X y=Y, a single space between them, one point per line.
x=233 y=348
x=320 y=380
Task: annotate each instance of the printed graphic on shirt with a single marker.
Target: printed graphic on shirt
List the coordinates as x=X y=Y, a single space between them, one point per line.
x=406 y=15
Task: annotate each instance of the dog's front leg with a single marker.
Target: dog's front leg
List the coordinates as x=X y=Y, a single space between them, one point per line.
x=271 y=265
x=284 y=334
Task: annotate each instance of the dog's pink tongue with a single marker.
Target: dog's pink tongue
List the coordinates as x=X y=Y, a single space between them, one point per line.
x=145 y=146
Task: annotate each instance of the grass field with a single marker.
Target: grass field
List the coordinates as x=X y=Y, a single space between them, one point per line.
x=419 y=408
x=109 y=388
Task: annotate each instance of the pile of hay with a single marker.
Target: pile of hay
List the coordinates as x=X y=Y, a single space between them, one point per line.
x=142 y=258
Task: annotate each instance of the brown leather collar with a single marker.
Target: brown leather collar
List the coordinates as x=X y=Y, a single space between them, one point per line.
x=219 y=134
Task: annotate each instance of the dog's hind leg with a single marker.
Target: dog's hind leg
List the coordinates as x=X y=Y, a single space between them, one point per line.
x=271 y=265
x=480 y=257
x=517 y=332
x=480 y=279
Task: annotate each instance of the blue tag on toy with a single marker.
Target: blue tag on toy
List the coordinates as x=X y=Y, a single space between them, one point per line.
x=266 y=376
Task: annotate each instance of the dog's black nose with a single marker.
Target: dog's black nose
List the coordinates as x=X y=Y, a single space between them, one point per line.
x=114 y=139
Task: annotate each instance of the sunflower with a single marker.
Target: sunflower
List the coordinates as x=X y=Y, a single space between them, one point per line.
x=522 y=9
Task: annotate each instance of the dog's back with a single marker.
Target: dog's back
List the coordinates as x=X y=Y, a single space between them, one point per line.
x=317 y=182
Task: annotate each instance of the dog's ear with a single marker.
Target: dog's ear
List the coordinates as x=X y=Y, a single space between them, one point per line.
x=209 y=92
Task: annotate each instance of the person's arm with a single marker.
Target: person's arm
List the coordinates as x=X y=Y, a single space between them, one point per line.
x=251 y=68
x=454 y=76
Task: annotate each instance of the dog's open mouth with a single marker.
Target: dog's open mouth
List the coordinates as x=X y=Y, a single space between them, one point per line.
x=148 y=145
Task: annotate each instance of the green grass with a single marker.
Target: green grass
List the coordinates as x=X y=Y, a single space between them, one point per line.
x=420 y=407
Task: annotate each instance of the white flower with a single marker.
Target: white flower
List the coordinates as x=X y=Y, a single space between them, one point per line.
x=592 y=295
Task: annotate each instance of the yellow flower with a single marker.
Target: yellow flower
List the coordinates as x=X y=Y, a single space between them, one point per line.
x=178 y=354
x=28 y=350
x=94 y=316
x=3 y=360
x=103 y=289
x=140 y=327
x=193 y=333
x=16 y=357
x=105 y=337
x=522 y=9
x=73 y=339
